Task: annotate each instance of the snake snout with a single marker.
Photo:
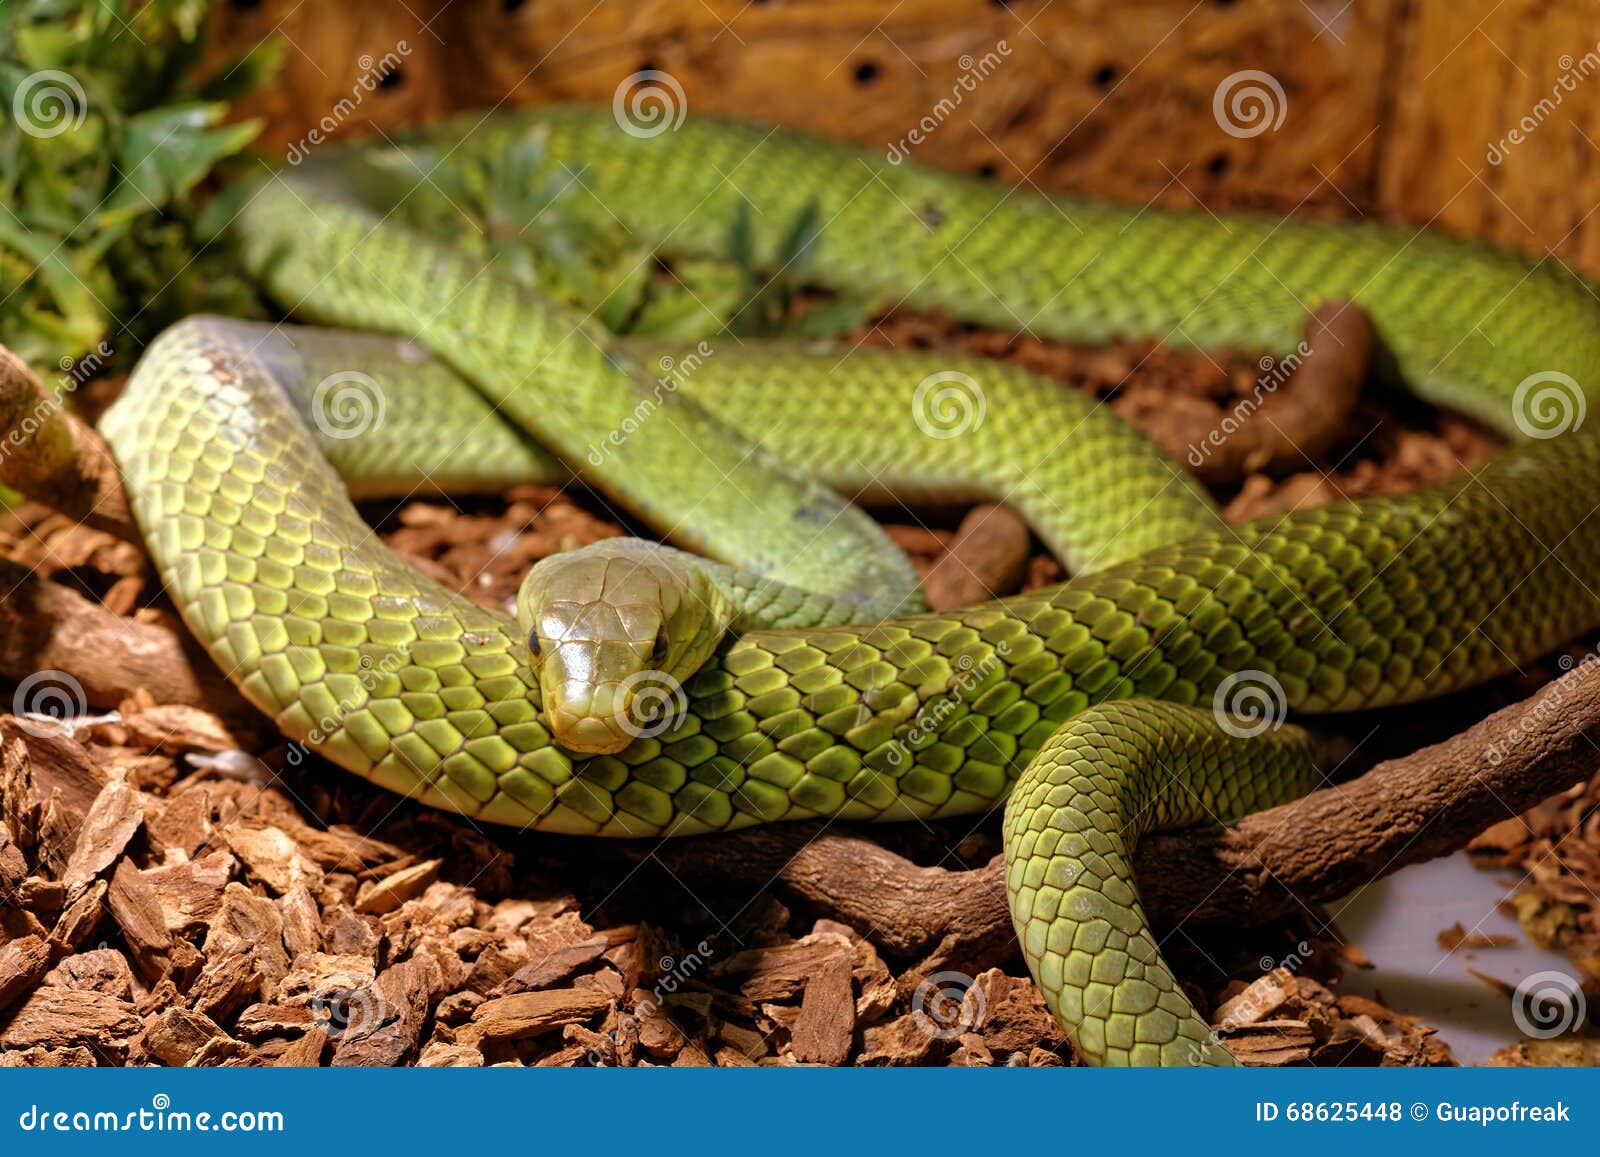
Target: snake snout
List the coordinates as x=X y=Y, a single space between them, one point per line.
x=586 y=717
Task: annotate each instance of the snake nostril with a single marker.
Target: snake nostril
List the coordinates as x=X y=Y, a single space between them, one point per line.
x=659 y=652
x=533 y=643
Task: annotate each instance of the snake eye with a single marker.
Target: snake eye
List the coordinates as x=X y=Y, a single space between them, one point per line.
x=533 y=643
x=659 y=652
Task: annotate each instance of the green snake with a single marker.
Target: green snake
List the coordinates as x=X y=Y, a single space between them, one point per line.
x=1100 y=707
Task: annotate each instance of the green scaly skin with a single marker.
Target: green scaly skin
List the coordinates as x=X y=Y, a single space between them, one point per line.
x=1347 y=606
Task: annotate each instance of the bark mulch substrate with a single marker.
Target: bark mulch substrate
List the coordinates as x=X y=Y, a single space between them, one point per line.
x=182 y=890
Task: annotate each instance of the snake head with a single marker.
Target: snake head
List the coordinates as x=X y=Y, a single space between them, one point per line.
x=615 y=629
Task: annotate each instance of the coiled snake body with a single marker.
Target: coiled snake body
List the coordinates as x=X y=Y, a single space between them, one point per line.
x=1089 y=703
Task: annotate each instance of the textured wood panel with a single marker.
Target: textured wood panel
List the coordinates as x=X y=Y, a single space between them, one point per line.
x=1466 y=76
x=1388 y=106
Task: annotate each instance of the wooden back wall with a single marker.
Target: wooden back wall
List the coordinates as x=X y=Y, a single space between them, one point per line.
x=1391 y=107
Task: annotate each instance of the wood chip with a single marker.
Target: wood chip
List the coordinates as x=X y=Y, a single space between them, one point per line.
x=190 y=894
x=177 y=1035
x=1264 y=996
x=553 y=967
x=900 y=1042
x=389 y=894
x=1273 y=1042
x=823 y=1031
x=987 y=559
x=100 y=970
x=183 y=825
x=61 y=1018
x=137 y=910
x=1456 y=936
x=779 y=973
x=116 y=814
x=81 y=916
x=272 y=855
x=23 y=963
x=174 y=729
x=526 y=1014
x=403 y=995
x=442 y=1055
x=306 y=1051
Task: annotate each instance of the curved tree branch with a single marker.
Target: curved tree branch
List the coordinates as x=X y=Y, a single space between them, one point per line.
x=52 y=456
x=1320 y=847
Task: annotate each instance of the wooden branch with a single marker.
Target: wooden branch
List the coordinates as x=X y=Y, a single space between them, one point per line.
x=52 y=456
x=1283 y=424
x=987 y=558
x=49 y=454
x=45 y=626
x=1320 y=847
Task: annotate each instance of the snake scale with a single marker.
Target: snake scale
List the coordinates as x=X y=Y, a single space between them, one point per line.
x=1089 y=703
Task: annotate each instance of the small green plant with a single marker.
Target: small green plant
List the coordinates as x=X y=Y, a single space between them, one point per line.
x=536 y=223
x=108 y=128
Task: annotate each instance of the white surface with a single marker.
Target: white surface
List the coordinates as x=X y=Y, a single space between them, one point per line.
x=1396 y=923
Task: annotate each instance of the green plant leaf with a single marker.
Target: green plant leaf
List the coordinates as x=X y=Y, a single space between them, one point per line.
x=165 y=152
